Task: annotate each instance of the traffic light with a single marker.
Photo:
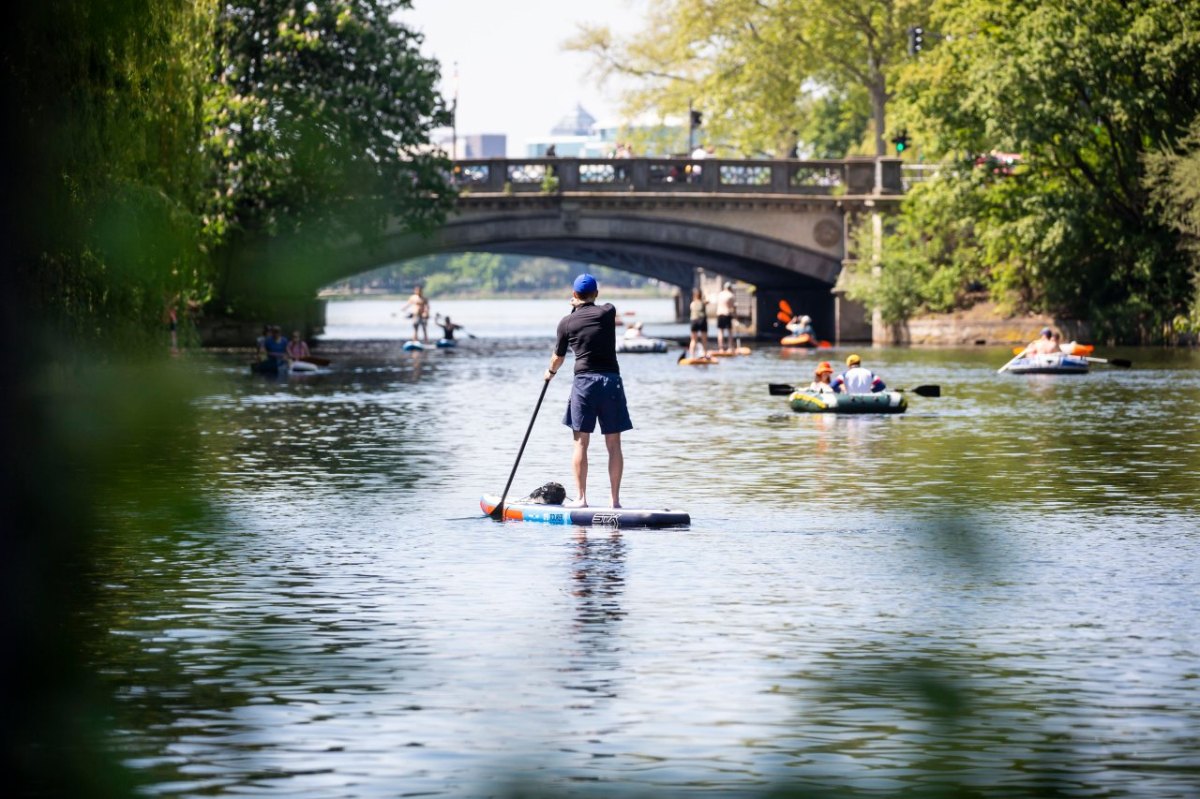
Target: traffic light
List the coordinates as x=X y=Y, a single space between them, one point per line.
x=916 y=39
x=696 y=119
x=901 y=142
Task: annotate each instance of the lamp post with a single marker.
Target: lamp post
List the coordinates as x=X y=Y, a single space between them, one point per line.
x=454 y=118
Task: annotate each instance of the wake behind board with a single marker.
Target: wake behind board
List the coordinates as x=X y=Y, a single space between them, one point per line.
x=587 y=517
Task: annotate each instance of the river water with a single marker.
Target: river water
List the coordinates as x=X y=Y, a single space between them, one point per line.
x=994 y=594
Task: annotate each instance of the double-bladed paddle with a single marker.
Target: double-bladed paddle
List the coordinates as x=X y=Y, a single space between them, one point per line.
x=498 y=511
x=783 y=390
x=1110 y=361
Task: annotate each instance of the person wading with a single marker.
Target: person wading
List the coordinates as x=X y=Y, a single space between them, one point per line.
x=597 y=393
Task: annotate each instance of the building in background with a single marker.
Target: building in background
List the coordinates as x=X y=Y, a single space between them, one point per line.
x=476 y=145
x=579 y=135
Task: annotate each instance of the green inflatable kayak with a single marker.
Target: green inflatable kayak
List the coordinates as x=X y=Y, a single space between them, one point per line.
x=881 y=402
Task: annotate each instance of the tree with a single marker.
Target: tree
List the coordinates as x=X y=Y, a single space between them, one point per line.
x=1173 y=179
x=761 y=70
x=318 y=128
x=1081 y=90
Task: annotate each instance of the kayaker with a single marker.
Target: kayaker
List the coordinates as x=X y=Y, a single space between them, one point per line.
x=597 y=393
x=698 y=318
x=297 y=348
x=447 y=326
x=275 y=348
x=857 y=379
x=1045 y=344
x=821 y=379
x=726 y=311
x=802 y=326
x=419 y=313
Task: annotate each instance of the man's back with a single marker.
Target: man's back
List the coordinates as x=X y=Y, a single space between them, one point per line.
x=725 y=303
x=590 y=331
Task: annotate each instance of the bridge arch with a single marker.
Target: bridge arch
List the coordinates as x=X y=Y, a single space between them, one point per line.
x=666 y=246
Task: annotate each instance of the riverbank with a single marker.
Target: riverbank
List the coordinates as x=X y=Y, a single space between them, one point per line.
x=983 y=324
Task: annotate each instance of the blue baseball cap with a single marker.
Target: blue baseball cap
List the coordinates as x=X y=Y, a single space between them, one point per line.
x=585 y=284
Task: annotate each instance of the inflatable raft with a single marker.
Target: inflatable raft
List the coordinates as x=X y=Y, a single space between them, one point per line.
x=632 y=345
x=587 y=517
x=1053 y=364
x=881 y=402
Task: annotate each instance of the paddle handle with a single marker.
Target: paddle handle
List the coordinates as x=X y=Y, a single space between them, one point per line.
x=498 y=513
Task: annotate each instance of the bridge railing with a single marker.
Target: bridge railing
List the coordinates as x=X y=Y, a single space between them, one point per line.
x=682 y=175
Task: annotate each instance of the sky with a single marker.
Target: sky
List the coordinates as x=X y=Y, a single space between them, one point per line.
x=513 y=75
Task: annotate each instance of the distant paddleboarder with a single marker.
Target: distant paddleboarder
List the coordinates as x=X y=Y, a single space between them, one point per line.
x=597 y=393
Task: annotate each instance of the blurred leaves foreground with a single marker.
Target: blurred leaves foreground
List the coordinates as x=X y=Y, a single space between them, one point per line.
x=87 y=437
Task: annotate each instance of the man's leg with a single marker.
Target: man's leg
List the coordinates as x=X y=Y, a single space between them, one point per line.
x=580 y=464
x=616 y=466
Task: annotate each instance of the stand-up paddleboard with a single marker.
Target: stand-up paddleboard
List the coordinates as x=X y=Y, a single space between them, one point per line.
x=731 y=353
x=443 y=343
x=707 y=360
x=586 y=517
x=413 y=346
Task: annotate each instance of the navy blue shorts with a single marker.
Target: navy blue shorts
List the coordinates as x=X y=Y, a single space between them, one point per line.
x=597 y=396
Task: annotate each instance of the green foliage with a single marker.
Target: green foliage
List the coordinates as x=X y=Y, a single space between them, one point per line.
x=1081 y=90
x=1173 y=180
x=477 y=273
x=318 y=123
x=764 y=73
x=105 y=122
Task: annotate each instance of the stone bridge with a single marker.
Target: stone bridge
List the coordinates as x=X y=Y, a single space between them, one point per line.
x=781 y=226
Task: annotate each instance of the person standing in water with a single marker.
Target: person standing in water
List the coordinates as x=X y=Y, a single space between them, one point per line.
x=420 y=313
x=597 y=393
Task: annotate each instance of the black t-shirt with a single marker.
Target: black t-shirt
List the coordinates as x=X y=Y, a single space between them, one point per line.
x=591 y=333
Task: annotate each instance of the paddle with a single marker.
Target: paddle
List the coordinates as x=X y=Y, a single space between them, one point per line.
x=783 y=390
x=498 y=511
x=783 y=317
x=1111 y=361
x=786 y=308
x=1017 y=353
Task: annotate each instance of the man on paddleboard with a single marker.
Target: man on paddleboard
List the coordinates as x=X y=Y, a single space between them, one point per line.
x=597 y=394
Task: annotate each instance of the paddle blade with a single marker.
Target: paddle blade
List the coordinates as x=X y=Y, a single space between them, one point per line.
x=928 y=391
x=824 y=345
x=1120 y=362
x=1018 y=350
x=780 y=389
x=497 y=513
x=783 y=317
x=786 y=308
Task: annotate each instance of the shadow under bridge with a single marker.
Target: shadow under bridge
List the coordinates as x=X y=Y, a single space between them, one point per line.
x=669 y=241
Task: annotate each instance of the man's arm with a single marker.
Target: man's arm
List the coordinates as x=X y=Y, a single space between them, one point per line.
x=556 y=361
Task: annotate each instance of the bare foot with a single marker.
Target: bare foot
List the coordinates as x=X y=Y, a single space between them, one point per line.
x=575 y=503
x=616 y=504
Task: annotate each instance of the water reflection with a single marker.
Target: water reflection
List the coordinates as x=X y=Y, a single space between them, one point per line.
x=993 y=594
x=598 y=580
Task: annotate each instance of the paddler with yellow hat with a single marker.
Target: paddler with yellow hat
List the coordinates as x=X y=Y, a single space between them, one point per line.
x=857 y=379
